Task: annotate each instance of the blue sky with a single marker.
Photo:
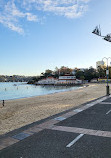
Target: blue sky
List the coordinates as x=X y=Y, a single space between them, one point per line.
x=36 y=35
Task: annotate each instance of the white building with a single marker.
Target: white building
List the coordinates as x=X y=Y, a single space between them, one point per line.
x=48 y=80
x=68 y=80
x=62 y=80
x=100 y=64
x=66 y=77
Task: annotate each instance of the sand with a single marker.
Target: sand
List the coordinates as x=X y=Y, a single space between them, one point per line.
x=20 y=112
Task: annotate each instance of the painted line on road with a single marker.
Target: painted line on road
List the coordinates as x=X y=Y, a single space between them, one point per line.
x=74 y=141
x=83 y=131
x=78 y=110
x=60 y=118
x=108 y=112
x=99 y=101
x=105 y=103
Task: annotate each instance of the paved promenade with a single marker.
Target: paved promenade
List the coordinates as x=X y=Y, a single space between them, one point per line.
x=84 y=132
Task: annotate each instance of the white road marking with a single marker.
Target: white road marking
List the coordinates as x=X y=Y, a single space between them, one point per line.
x=99 y=101
x=105 y=103
x=78 y=110
x=108 y=112
x=74 y=141
x=60 y=118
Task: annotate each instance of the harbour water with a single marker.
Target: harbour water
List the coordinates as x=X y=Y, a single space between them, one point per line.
x=16 y=90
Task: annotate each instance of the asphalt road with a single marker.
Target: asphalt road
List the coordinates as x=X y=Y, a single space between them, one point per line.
x=70 y=138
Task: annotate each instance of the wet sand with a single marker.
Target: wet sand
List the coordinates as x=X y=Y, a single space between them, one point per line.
x=20 y=112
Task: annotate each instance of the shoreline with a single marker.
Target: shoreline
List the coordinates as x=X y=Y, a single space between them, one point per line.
x=65 y=90
x=20 y=112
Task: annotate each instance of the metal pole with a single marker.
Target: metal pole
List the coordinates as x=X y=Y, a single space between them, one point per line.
x=97 y=31
x=107 y=87
x=3 y=102
x=107 y=75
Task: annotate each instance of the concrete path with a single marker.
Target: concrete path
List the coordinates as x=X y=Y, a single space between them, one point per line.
x=84 y=132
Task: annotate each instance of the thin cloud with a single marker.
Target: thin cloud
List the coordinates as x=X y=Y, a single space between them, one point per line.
x=67 y=8
x=10 y=17
x=12 y=12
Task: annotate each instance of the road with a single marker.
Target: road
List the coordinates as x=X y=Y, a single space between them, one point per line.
x=84 y=132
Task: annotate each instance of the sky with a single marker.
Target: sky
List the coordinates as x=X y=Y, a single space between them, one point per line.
x=36 y=35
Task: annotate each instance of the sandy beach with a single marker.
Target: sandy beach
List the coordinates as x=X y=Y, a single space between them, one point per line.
x=20 y=112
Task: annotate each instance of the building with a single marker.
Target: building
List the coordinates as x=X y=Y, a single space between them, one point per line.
x=101 y=64
x=63 y=80
x=67 y=79
x=48 y=80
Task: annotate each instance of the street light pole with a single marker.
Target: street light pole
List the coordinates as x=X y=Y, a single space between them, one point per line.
x=97 y=31
x=107 y=75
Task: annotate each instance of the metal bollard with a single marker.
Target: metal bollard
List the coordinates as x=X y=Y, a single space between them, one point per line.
x=107 y=91
x=3 y=102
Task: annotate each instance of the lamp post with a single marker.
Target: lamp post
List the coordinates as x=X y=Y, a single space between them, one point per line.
x=107 y=74
x=97 y=31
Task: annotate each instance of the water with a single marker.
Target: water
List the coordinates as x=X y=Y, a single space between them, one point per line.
x=16 y=90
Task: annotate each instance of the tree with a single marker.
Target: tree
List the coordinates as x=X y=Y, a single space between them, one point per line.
x=79 y=74
x=56 y=72
x=102 y=72
x=65 y=70
x=110 y=72
x=90 y=73
x=82 y=77
x=48 y=73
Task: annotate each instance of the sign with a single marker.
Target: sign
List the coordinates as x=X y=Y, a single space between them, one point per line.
x=107 y=72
